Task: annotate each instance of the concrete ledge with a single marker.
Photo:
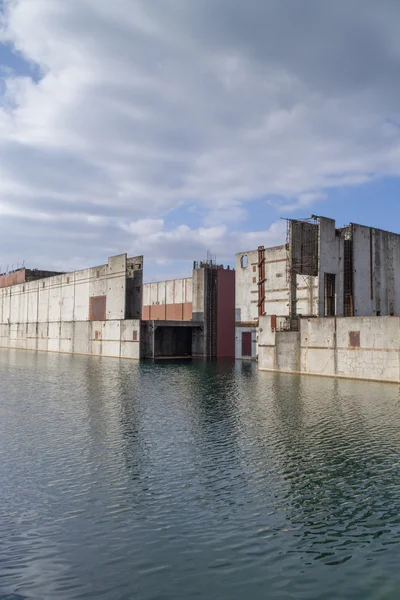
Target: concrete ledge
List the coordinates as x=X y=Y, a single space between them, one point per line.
x=348 y=377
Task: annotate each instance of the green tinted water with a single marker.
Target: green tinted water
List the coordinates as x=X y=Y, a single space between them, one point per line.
x=121 y=480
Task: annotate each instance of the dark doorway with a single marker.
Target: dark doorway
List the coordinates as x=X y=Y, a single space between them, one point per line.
x=173 y=341
x=246 y=343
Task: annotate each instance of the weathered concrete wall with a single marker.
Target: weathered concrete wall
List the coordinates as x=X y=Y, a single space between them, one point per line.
x=23 y=276
x=246 y=310
x=318 y=346
x=66 y=297
x=277 y=350
x=168 y=300
x=378 y=354
x=238 y=342
x=287 y=350
x=376 y=275
x=276 y=295
x=331 y=251
x=116 y=338
x=134 y=287
x=276 y=284
x=266 y=344
x=358 y=347
x=56 y=314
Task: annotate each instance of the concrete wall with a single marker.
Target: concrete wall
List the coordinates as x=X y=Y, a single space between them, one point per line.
x=276 y=287
x=56 y=314
x=23 y=276
x=358 y=347
x=168 y=300
x=238 y=342
x=331 y=254
x=246 y=288
x=117 y=338
x=376 y=275
x=375 y=269
x=277 y=350
x=67 y=297
x=277 y=295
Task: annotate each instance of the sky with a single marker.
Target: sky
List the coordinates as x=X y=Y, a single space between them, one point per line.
x=172 y=127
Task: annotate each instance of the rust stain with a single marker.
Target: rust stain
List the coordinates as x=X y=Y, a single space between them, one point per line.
x=354 y=339
x=97 y=308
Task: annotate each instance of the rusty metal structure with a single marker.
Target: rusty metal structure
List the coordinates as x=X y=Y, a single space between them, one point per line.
x=302 y=239
x=261 y=281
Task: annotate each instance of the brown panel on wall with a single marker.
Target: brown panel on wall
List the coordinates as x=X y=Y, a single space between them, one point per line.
x=24 y=276
x=97 y=308
x=187 y=311
x=146 y=313
x=354 y=339
x=174 y=312
x=12 y=278
x=157 y=312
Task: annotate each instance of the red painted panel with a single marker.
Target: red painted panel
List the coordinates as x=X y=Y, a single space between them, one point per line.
x=12 y=278
x=174 y=312
x=146 y=313
x=157 y=312
x=246 y=343
x=225 y=313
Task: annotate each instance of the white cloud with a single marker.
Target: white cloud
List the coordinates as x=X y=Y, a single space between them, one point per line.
x=143 y=109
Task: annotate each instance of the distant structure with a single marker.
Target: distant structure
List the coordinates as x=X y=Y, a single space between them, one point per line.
x=99 y=311
x=321 y=271
x=92 y=311
x=24 y=276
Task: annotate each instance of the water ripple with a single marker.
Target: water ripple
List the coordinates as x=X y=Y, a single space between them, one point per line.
x=194 y=480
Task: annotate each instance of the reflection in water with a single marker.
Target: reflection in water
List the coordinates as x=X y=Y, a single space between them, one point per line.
x=176 y=480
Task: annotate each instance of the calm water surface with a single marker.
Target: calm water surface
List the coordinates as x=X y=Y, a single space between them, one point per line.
x=192 y=480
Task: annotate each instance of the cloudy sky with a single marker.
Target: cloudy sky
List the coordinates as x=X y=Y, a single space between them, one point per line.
x=170 y=127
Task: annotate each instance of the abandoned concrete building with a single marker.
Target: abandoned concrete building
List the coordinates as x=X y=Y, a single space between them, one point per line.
x=99 y=311
x=92 y=311
x=193 y=316
x=326 y=302
x=321 y=271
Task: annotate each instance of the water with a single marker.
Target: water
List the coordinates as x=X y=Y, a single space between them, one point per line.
x=121 y=480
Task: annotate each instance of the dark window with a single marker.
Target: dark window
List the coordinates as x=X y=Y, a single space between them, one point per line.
x=134 y=335
x=244 y=261
x=330 y=280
